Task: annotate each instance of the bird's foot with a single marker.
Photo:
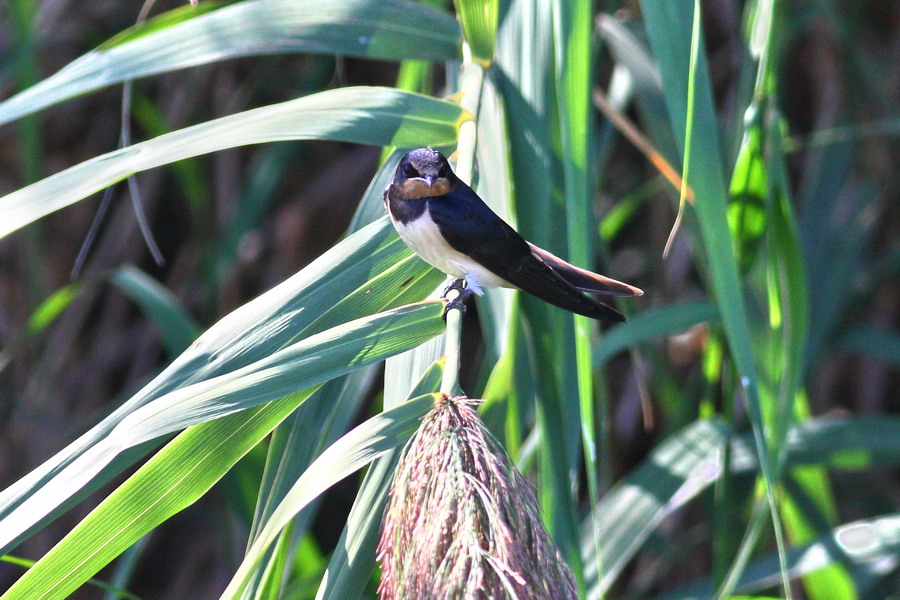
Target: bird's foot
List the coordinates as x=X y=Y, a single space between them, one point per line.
x=458 y=302
x=457 y=284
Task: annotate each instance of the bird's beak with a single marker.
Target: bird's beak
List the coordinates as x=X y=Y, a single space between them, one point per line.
x=429 y=180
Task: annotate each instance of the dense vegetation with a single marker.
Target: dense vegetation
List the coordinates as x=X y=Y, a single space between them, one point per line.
x=166 y=408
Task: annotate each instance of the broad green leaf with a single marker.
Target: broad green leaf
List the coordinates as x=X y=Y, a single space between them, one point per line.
x=359 y=447
x=379 y=29
x=675 y=472
x=378 y=116
x=301 y=306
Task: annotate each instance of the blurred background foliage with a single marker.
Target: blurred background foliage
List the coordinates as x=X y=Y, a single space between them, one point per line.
x=759 y=370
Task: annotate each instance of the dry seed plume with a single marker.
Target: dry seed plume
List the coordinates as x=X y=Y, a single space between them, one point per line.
x=462 y=522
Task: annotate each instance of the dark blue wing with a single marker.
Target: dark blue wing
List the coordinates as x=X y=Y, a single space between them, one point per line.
x=473 y=229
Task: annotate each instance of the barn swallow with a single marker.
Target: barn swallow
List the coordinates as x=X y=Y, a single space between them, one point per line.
x=448 y=226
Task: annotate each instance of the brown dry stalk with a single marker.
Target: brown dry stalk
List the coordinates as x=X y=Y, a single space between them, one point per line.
x=462 y=522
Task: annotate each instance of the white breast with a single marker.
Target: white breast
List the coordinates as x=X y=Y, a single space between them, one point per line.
x=424 y=238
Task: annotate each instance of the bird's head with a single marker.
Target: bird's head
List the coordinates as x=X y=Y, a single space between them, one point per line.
x=423 y=173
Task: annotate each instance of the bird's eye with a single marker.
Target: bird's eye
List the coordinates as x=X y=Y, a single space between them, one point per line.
x=409 y=170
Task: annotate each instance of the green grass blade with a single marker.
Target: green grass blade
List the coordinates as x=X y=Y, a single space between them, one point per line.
x=176 y=328
x=479 y=25
x=668 y=26
x=675 y=472
x=353 y=451
x=382 y=29
x=309 y=362
x=871 y=547
x=652 y=324
x=572 y=26
x=524 y=76
x=378 y=116
x=311 y=428
x=494 y=185
x=173 y=479
x=368 y=272
x=353 y=561
x=789 y=320
x=846 y=444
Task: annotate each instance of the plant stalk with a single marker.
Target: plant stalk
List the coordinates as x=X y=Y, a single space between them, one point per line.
x=471 y=82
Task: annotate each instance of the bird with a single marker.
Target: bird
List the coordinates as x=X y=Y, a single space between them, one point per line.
x=450 y=227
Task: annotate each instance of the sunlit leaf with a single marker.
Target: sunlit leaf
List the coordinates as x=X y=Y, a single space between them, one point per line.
x=379 y=29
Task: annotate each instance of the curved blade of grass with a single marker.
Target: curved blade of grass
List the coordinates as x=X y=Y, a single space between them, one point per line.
x=652 y=324
x=789 y=322
x=176 y=328
x=301 y=306
x=309 y=362
x=670 y=26
x=353 y=560
x=353 y=451
x=379 y=29
x=675 y=472
x=173 y=479
x=378 y=116
x=294 y=444
x=852 y=444
x=871 y=547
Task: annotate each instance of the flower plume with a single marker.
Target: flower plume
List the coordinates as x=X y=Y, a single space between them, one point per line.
x=462 y=522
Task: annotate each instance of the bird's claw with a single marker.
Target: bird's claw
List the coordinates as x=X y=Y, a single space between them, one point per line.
x=459 y=302
x=457 y=284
